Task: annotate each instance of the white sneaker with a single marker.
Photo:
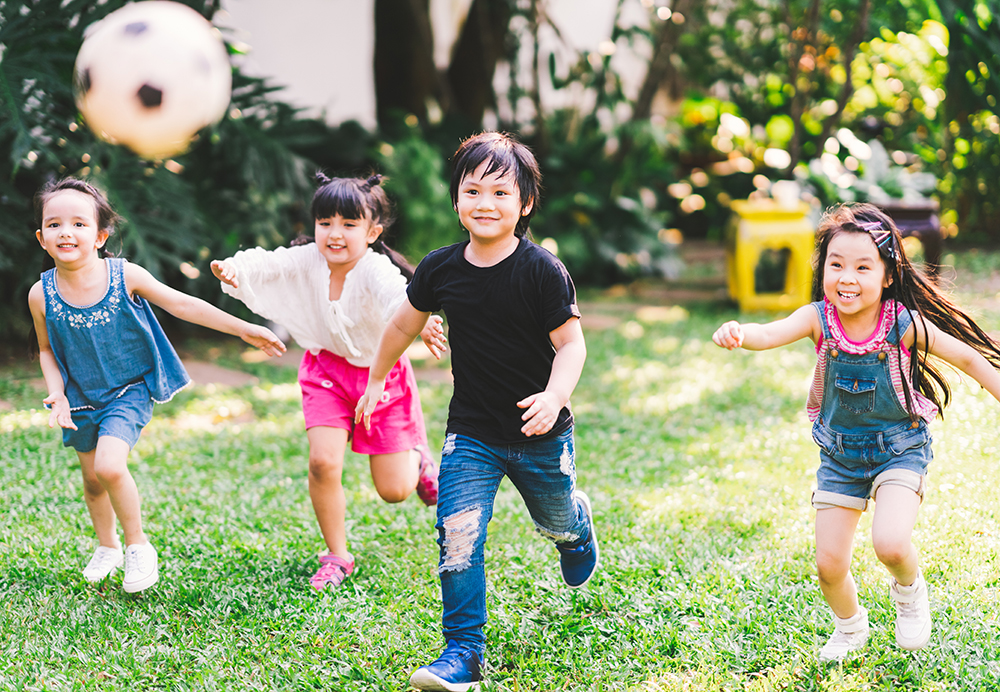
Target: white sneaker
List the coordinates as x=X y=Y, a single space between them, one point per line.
x=141 y=567
x=913 y=613
x=848 y=635
x=103 y=564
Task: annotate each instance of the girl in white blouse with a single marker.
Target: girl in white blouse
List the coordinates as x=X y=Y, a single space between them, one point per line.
x=335 y=296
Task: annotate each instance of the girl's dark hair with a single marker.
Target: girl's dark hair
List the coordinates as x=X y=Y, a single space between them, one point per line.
x=107 y=218
x=357 y=198
x=504 y=155
x=911 y=288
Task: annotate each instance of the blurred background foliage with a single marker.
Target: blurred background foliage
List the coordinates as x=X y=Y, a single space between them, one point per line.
x=854 y=99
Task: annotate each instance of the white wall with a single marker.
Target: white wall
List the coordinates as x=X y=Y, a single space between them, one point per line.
x=322 y=50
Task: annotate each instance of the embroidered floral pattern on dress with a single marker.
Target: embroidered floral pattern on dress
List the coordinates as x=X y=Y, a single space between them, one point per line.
x=98 y=314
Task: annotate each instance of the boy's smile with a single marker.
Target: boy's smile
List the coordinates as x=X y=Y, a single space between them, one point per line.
x=489 y=205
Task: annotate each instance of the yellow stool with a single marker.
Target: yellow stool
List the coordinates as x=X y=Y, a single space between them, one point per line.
x=769 y=252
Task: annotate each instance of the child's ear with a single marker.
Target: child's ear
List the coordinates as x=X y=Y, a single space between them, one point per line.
x=526 y=209
x=374 y=231
x=102 y=237
x=38 y=235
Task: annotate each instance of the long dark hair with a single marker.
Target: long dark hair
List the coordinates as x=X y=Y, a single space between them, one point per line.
x=911 y=288
x=357 y=198
x=504 y=155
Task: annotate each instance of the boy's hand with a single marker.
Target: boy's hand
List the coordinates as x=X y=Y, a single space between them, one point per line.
x=225 y=272
x=729 y=335
x=368 y=401
x=433 y=336
x=543 y=411
x=60 y=414
x=263 y=338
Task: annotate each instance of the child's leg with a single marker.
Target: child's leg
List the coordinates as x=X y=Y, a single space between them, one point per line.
x=111 y=469
x=102 y=514
x=326 y=467
x=896 y=510
x=471 y=472
x=835 y=527
x=395 y=475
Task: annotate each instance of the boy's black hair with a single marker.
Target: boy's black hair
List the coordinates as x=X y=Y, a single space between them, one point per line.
x=357 y=198
x=911 y=288
x=504 y=155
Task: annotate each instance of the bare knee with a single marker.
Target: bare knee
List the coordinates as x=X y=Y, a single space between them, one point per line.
x=461 y=533
x=92 y=485
x=832 y=568
x=325 y=466
x=393 y=493
x=892 y=551
x=109 y=473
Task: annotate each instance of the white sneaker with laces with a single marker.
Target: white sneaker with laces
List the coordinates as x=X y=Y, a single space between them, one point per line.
x=103 y=563
x=913 y=613
x=141 y=567
x=849 y=635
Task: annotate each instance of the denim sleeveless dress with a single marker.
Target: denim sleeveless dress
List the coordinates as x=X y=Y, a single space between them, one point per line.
x=105 y=348
x=864 y=433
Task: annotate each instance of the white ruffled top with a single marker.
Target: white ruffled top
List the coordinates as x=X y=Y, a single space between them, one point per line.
x=291 y=286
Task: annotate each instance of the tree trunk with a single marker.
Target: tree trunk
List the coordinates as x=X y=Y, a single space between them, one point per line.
x=405 y=75
x=480 y=46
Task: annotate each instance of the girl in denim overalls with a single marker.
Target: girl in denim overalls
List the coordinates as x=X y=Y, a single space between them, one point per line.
x=105 y=360
x=873 y=394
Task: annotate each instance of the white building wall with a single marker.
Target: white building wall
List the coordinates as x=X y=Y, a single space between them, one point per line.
x=322 y=51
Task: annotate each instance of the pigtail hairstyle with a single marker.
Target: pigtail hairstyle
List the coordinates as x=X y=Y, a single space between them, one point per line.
x=911 y=288
x=503 y=154
x=357 y=198
x=107 y=218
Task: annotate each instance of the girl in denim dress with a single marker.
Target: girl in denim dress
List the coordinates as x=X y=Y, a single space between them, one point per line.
x=875 y=321
x=106 y=360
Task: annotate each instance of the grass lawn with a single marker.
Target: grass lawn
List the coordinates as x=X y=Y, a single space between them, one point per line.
x=699 y=463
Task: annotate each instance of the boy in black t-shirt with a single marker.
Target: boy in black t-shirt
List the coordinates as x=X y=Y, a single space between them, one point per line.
x=517 y=354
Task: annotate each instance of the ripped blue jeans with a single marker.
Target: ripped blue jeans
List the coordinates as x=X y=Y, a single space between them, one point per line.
x=544 y=473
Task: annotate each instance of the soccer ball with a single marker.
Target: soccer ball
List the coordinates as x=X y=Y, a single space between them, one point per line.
x=150 y=75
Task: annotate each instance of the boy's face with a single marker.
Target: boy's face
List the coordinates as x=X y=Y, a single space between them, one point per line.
x=489 y=206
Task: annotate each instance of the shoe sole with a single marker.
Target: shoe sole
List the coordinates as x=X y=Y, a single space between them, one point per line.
x=142 y=584
x=425 y=680
x=593 y=538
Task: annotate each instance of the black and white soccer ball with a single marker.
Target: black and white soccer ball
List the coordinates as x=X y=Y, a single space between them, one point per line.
x=151 y=75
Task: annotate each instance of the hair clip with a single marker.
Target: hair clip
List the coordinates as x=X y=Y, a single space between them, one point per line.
x=883 y=238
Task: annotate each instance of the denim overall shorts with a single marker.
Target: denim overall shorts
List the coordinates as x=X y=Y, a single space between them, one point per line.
x=866 y=437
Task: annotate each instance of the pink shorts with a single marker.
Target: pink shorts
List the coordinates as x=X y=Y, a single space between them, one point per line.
x=331 y=388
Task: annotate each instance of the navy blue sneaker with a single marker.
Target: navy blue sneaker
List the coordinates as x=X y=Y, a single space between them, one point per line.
x=457 y=670
x=579 y=562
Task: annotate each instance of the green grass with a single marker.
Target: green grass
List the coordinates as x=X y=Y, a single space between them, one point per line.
x=699 y=463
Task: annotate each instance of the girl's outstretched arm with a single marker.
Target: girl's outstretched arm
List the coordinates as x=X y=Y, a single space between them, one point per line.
x=956 y=353
x=760 y=337
x=406 y=323
x=197 y=311
x=60 y=413
x=571 y=352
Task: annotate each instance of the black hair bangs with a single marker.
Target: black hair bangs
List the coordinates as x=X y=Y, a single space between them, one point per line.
x=341 y=196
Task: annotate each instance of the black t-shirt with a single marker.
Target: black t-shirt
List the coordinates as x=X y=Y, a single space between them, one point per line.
x=499 y=319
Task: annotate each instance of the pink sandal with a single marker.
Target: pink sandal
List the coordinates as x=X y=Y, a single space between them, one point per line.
x=427 y=484
x=332 y=571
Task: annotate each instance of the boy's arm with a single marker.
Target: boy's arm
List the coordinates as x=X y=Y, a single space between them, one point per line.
x=956 y=353
x=197 y=311
x=403 y=328
x=571 y=352
x=760 y=337
x=60 y=414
